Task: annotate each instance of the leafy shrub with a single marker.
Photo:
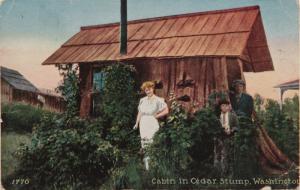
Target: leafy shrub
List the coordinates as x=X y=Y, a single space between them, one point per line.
x=205 y=128
x=131 y=175
x=67 y=156
x=290 y=108
x=119 y=106
x=246 y=163
x=283 y=126
x=169 y=150
x=120 y=94
x=19 y=117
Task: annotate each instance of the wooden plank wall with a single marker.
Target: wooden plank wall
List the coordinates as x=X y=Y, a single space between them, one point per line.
x=235 y=70
x=25 y=97
x=6 y=92
x=53 y=103
x=208 y=74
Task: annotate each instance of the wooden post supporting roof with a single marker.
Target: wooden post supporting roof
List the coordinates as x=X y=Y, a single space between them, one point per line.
x=86 y=77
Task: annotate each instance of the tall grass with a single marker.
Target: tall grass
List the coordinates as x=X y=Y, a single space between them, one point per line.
x=10 y=141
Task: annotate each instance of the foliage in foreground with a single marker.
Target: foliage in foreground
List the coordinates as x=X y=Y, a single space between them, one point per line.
x=67 y=156
x=67 y=152
x=184 y=148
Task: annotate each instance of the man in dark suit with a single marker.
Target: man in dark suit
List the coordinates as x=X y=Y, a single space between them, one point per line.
x=241 y=102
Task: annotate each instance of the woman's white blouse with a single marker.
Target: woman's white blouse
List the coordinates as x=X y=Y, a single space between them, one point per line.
x=149 y=125
x=151 y=106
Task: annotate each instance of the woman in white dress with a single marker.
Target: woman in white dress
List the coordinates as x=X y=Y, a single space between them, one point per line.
x=150 y=109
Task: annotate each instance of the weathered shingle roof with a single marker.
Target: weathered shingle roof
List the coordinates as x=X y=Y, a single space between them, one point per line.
x=15 y=79
x=235 y=32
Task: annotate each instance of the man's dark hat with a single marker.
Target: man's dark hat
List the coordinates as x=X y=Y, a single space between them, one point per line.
x=239 y=81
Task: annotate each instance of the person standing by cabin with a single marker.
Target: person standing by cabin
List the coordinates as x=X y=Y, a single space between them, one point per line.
x=242 y=103
x=245 y=160
x=150 y=109
x=224 y=145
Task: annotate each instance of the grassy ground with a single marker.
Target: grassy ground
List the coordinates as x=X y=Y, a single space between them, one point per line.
x=10 y=141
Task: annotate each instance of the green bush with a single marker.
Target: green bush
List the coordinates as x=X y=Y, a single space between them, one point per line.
x=20 y=117
x=283 y=126
x=290 y=109
x=120 y=94
x=73 y=156
x=131 y=175
x=169 y=151
x=246 y=163
x=119 y=106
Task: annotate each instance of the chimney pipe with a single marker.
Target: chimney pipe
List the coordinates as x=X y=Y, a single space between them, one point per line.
x=123 y=28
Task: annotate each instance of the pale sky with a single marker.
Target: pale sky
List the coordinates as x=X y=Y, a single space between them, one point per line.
x=31 y=30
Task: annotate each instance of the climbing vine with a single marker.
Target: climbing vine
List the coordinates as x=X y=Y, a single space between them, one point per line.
x=120 y=94
x=69 y=88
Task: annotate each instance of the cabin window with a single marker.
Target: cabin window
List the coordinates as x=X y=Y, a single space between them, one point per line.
x=98 y=86
x=98 y=81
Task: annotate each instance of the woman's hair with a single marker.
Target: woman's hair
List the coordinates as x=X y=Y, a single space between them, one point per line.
x=148 y=84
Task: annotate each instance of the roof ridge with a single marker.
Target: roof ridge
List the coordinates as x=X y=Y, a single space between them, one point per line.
x=9 y=69
x=256 y=7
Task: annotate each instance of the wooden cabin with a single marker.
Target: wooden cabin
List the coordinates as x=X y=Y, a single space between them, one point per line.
x=16 y=88
x=191 y=54
x=52 y=101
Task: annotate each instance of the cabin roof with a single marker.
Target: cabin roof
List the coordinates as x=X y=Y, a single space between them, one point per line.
x=17 y=80
x=294 y=84
x=234 y=32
